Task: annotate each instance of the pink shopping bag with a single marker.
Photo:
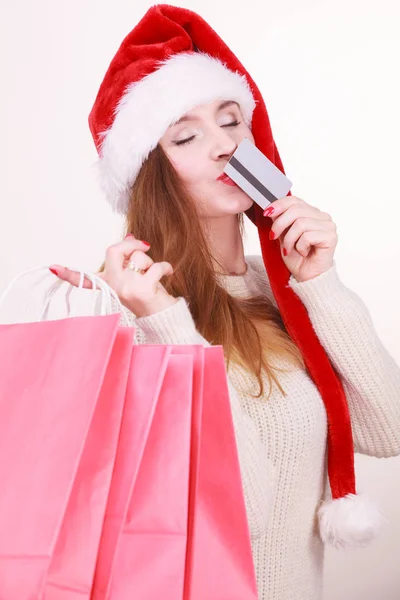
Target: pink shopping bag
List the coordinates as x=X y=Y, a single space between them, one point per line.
x=143 y=547
x=181 y=530
x=219 y=558
x=51 y=378
x=71 y=571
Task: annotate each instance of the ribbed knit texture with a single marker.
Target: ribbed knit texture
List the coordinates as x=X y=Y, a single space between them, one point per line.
x=282 y=442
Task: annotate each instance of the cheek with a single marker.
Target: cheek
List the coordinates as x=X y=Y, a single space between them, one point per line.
x=188 y=169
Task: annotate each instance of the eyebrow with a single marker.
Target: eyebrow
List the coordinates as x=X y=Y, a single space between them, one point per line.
x=224 y=104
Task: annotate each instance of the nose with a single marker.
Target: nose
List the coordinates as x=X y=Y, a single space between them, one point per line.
x=223 y=145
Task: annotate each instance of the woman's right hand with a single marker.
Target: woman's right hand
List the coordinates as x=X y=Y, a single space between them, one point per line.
x=142 y=294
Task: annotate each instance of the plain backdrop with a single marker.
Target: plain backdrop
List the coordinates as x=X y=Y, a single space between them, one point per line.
x=327 y=72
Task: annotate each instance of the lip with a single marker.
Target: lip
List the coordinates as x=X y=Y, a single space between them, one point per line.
x=227 y=180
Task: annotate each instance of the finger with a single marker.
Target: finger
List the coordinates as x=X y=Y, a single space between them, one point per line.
x=281 y=205
x=72 y=277
x=320 y=239
x=290 y=236
x=141 y=260
x=293 y=213
x=158 y=270
x=117 y=254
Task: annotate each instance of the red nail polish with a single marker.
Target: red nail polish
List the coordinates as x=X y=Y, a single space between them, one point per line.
x=147 y=243
x=54 y=271
x=284 y=252
x=271 y=235
x=268 y=211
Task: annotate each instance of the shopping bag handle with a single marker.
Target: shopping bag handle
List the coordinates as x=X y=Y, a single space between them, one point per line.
x=98 y=284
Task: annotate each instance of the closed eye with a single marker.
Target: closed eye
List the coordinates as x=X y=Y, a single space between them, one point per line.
x=183 y=142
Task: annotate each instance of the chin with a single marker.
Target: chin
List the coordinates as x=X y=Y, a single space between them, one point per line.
x=240 y=200
x=234 y=202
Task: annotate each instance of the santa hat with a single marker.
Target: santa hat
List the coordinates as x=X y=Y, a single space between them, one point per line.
x=169 y=63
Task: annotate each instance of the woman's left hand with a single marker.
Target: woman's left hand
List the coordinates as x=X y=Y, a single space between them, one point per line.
x=307 y=236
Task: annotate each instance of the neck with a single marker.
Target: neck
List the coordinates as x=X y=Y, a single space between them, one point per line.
x=226 y=245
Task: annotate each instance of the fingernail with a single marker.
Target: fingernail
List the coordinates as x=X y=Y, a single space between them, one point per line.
x=53 y=271
x=284 y=252
x=147 y=243
x=268 y=211
x=129 y=235
x=271 y=235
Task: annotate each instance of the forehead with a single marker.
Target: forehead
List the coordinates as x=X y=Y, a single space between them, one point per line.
x=218 y=105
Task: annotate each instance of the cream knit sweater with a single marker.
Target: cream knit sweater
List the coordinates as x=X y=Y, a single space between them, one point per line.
x=282 y=442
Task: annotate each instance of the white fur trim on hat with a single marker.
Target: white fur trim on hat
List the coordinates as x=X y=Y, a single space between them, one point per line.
x=352 y=521
x=149 y=106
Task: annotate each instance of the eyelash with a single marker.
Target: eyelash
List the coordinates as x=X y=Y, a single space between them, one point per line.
x=183 y=142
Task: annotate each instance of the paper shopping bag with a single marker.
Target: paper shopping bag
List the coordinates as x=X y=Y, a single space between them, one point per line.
x=51 y=376
x=71 y=571
x=184 y=531
x=219 y=557
x=143 y=547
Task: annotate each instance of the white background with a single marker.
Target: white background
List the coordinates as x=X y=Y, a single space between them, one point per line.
x=329 y=75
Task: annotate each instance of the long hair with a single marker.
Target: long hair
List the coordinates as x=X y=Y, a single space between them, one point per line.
x=250 y=330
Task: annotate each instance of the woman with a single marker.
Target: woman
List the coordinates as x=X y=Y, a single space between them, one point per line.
x=168 y=116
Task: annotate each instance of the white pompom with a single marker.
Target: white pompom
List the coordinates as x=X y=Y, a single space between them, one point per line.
x=352 y=521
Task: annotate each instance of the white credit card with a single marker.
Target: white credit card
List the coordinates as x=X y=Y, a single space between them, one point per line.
x=257 y=175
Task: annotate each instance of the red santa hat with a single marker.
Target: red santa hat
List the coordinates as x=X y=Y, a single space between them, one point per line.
x=169 y=63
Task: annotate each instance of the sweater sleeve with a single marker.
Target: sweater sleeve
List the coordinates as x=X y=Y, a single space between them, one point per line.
x=369 y=374
x=175 y=325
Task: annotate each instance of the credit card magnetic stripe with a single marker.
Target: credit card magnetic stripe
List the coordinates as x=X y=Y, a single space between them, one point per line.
x=250 y=178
